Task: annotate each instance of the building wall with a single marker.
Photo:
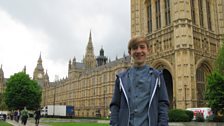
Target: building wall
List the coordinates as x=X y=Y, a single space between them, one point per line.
x=1 y=85
x=90 y=93
x=184 y=48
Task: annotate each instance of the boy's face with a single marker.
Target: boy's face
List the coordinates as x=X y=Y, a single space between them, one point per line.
x=139 y=53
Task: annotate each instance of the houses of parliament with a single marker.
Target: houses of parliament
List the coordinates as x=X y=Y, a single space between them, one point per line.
x=184 y=38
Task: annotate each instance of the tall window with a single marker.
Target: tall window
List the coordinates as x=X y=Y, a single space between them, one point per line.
x=149 y=16
x=208 y=14
x=201 y=13
x=167 y=11
x=200 y=76
x=158 y=15
x=193 y=12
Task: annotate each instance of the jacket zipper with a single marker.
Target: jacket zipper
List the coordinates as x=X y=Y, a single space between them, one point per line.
x=153 y=93
x=121 y=84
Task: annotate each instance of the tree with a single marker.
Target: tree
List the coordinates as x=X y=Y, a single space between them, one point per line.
x=215 y=92
x=219 y=62
x=22 y=91
x=215 y=88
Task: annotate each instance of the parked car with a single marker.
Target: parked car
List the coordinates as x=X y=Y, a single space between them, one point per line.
x=2 y=116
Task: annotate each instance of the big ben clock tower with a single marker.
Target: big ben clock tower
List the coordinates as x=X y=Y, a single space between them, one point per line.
x=38 y=73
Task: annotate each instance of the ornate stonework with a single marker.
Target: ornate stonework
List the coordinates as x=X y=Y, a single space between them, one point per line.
x=184 y=36
x=89 y=59
x=88 y=87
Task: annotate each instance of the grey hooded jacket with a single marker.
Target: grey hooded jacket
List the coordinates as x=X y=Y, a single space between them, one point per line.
x=158 y=103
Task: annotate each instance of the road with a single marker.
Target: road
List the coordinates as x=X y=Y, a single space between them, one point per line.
x=29 y=123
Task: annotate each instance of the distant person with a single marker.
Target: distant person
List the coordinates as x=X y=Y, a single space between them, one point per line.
x=25 y=115
x=11 y=115
x=17 y=115
x=4 y=117
x=140 y=96
x=37 y=116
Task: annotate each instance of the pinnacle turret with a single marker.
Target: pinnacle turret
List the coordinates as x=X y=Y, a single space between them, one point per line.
x=89 y=59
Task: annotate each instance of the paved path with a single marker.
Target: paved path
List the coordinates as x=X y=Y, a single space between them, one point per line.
x=29 y=123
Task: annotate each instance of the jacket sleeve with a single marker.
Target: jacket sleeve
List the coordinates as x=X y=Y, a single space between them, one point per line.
x=163 y=103
x=115 y=104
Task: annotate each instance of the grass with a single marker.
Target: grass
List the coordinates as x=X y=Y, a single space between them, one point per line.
x=2 y=123
x=75 y=124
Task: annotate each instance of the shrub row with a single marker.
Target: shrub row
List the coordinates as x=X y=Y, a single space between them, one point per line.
x=215 y=118
x=179 y=115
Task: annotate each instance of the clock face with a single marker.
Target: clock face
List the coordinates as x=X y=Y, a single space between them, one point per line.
x=40 y=75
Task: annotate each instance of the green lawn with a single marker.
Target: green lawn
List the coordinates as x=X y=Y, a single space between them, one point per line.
x=76 y=124
x=4 y=124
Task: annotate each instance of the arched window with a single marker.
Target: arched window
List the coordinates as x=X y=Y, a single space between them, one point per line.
x=200 y=87
x=169 y=85
x=201 y=74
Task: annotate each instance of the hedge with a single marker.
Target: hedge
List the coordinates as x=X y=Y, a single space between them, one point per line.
x=178 y=115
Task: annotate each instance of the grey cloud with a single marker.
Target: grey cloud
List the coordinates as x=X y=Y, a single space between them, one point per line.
x=61 y=21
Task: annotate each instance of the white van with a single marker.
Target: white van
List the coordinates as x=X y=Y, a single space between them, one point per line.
x=205 y=111
x=44 y=111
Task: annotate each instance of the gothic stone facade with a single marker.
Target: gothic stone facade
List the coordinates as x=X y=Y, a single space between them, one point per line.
x=89 y=85
x=184 y=36
x=90 y=92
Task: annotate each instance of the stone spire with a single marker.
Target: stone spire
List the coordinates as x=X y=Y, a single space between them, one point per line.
x=46 y=76
x=40 y=60
x=69 y=65
x=39 y=64
x=1 y=71
x=24 y=69
x=1 y=74
x=38 y=73
x=89 y=59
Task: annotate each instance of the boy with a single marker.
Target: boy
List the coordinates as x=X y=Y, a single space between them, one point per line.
x=140 y=95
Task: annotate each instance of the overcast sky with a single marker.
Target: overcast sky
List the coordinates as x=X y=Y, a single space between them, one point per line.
x=59 y=30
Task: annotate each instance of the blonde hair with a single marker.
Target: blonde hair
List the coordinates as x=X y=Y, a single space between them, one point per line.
x=135 y=40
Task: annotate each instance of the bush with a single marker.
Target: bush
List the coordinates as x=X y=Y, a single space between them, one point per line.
x=220 y=118
x=178 y=115
x=215 y=118
x=190 y=114
x=199 y=117
x=211 y=118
